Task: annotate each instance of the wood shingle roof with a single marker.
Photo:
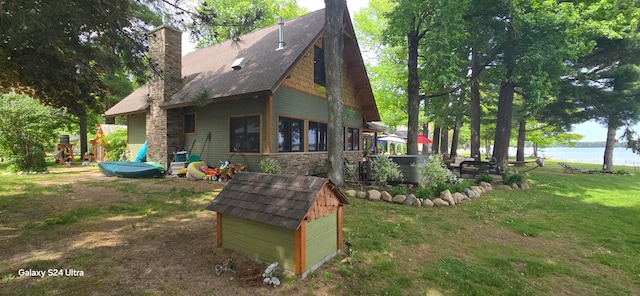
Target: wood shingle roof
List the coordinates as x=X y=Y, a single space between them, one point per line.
x=276 y=200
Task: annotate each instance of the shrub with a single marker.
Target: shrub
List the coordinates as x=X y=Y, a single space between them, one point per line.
x=115 y=144
x=438 y=188
x=434 y=171
x=509 y=179
x=423 y=192
x=384 y=169
x=349 y=171
x=398 y=190
x=271 y=166
x=460 y=187
x=484 y=178
x=32 y=161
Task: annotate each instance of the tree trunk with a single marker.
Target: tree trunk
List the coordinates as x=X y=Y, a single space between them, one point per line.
x=83 y=133
x=333 y=46
x=607 y=165
x=436 y=139
x=535 y=150
x=503 y=123
x=444 y=140
x=413 y=89
x=475 y=111
x=522 y=135
x=455 y=137
x=425 y=133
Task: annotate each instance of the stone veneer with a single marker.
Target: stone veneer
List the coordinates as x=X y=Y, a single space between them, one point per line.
x=309 y=163
x=164 y=126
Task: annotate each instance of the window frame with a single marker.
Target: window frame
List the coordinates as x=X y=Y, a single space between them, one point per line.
x=319 y=72
x=302 y=132
x=317 y=137
x=184 y=123
x=349 y=138
x=246 y=138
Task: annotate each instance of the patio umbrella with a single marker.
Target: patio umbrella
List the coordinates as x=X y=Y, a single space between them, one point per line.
x=392 y=139
x=423 y=140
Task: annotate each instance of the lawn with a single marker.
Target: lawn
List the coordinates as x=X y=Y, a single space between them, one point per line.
x=572 y=234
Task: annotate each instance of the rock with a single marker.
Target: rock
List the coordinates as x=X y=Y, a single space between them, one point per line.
x=351 y=193
x=361 y=194
x=427 y=203
x=486 y=186
x=410 y=200
x=399 y=198
x=506 y=187
x=386 y=196
x=515 y=186
x=525 y=186
x=446 y=196
x=470 y=193
x=438 y=202
x=477 y=190
x=417 y=203
x=458 y=197
x=374 y=194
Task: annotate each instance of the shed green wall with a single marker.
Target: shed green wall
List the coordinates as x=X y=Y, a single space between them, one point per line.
x=322 y=239
x=136 y=133
x=257 y=240
x=214 y=118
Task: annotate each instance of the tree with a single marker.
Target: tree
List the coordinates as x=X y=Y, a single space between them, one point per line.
x=333 y=46
x=26 y=128
x=219 y=20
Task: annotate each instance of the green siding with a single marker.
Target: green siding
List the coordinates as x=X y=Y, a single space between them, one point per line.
x=136 y=133
x=322 y=239
x=287 y=102
x=258 y=240
x=214 y=118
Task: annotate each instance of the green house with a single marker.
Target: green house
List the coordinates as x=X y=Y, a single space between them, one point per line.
x=254 y=97
x=293 y=220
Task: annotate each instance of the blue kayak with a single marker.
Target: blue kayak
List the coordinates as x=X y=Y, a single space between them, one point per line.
x=126 y=169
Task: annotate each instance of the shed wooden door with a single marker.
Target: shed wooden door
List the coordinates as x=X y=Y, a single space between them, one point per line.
x=322 y=239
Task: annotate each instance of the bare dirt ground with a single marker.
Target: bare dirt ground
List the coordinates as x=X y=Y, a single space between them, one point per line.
x=172 y=254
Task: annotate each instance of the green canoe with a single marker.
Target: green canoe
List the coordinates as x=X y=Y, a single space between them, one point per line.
x=126 y=169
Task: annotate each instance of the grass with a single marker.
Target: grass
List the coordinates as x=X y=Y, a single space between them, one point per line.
x=571 y=234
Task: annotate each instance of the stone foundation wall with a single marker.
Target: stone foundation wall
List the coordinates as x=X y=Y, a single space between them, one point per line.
x=309 y=163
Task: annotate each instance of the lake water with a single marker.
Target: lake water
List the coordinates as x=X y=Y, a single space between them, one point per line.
x=621 y=156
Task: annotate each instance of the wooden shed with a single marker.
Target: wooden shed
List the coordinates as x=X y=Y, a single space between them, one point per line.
x=293 y=220
x=99 y=153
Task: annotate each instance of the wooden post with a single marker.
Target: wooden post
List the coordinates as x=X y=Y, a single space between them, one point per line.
x=218 y=229
x=300 y=249
x=340 y=238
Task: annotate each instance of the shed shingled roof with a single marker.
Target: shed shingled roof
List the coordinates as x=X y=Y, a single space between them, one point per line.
x=281 y=201
x=208 y=71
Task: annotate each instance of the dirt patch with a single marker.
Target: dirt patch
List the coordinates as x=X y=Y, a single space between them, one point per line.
x=151 y=254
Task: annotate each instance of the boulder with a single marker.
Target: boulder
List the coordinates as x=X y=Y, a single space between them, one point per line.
x=399 y=198
x=351 y=193
x=410 y=200
x=525 y=186
x=361 y=194
x=417 y=203
x=486 y=186
x=427 y=203
x=458 y=197
x=515 y=186
x=374 y=194
x=438 y=202
x=386 y=196
x=446 y=196
x=470 y=193
x=477 y=190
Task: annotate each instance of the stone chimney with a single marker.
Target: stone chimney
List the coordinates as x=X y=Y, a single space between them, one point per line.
x=164 y=126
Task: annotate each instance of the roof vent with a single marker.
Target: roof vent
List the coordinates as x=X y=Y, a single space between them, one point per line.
x=239 y=63
x=280 y=33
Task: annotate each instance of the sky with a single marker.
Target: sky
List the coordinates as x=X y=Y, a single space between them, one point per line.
x=592 y=131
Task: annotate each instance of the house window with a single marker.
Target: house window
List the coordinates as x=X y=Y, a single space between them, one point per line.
x=244 y=134
x=318 y=66
x=353 y=139
x=189 y=123
x=317 y=136
x=290 y=133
